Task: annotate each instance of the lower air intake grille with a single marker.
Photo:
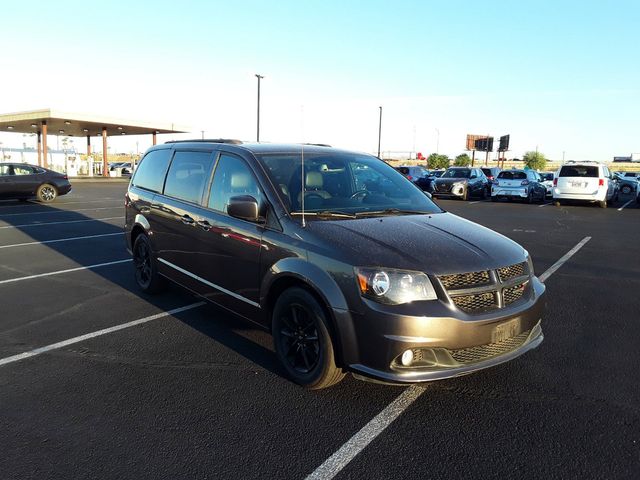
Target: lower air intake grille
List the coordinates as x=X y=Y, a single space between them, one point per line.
x=475 y=302
x=483 y=352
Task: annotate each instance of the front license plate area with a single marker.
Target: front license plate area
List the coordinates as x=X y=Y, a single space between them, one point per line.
x=505 y=331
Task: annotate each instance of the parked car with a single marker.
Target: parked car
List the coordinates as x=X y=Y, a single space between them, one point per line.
x=418 y=175
x=436 y=173
x=584 y=181
x=347 y=275
x=491 y=173
x=547 y=181
x=22 y=181
x=626 y=184
x=123 y=167
x=461 y=182
x=519 y=184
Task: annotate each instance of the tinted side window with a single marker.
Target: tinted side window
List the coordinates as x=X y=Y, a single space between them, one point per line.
x=152 y=169
x=22 y=170
x=232 y=178
x=188 y=175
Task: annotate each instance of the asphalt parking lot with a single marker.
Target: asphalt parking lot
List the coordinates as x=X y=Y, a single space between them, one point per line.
x=199 y=393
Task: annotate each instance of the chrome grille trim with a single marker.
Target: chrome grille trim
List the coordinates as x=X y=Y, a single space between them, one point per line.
x=512 y=294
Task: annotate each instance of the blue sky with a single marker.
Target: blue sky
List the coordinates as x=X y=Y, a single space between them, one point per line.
x=560 y=75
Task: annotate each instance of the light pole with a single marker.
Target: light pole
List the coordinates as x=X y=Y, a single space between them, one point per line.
x=259 y=77
x=379 y=131
x=437 y=142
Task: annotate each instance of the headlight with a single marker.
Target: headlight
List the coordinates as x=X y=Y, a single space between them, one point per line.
x=459 y=184
x=394 y=287
x=529 y=262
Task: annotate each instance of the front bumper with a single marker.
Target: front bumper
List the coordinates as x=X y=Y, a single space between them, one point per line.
x=457 y=191
x=454 y=344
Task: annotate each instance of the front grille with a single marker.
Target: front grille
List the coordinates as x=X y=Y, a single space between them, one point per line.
x=483 y=352
x=514 y=293
x=443 y=188
x=476 y=302
x=512 y=271
x=465 y=280
x=492 y=293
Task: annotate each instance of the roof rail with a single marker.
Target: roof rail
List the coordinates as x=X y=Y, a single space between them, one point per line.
x=317 y=144
x=581 y=161
x=208 y=140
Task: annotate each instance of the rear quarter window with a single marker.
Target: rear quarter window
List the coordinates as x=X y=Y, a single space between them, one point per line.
x=578 y=171
x=152 y=170
x=188 y=175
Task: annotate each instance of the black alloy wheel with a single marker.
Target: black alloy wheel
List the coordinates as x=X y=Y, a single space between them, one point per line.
x=626 y=189
x=145 y=267
x=302 y=340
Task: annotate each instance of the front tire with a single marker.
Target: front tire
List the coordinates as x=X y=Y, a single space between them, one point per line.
x=46 y=193
x=603 y=204
x=626 y=189
x=302 y=340
x=146 y=266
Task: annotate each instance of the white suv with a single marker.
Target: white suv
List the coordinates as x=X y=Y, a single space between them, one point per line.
x=586 y=181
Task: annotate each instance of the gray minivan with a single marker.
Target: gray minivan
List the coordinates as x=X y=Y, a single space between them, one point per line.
x=349 y=266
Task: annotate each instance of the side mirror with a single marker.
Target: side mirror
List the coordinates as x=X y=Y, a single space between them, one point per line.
x=244 y=207
x=428 y=194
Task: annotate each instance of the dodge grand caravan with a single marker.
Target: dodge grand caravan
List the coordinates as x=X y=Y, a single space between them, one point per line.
x=349 y=266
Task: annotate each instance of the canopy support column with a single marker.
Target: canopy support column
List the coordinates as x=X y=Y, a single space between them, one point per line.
x=105 y=164
x=39 y=149
x=45 y=153
x=154 y=137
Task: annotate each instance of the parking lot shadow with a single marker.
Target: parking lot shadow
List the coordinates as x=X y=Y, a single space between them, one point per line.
x=49 y=223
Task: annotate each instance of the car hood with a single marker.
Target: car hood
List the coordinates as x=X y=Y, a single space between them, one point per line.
x=449 y=181
x=438 y=244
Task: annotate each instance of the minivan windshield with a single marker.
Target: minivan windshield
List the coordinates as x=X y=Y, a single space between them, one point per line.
x=343 y=185
x=456 y=173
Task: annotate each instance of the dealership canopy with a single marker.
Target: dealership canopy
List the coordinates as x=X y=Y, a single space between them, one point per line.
x=53 y=122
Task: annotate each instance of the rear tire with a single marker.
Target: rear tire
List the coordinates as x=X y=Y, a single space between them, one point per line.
x=557 y=203
x=146 y=266
x=603 y=204
x=46 y=193
x=302 y=340
x=626 y=189
x=494 y=198
x=465 y=195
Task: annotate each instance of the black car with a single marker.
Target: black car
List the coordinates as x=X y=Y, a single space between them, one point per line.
x=22 y=181
x=418 y=175
x=349 y=266
x=461 y=182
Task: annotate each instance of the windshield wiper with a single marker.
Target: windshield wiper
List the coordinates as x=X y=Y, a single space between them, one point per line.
x=391 y=211
x=325 y=214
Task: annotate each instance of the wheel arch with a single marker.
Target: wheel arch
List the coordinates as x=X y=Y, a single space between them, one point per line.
x=297 y=272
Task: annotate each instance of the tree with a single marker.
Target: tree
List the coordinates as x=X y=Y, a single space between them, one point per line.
x=436 y=161
x=462 y=160
x=534 y=160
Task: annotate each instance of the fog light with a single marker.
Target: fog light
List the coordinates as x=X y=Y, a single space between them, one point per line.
x=407 y=358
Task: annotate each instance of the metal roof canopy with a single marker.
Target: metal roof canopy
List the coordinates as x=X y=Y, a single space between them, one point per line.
x=80 y=125
x=49 y=121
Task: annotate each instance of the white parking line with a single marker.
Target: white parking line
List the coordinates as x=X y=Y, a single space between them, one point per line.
x=49 y=212
x=104 y=331
x=620 y=209
x=71 y=239
x=544 y=205
x=59 y=223
x=358 y=442
x=552 y=269
x=58 y=272
x=106 y=199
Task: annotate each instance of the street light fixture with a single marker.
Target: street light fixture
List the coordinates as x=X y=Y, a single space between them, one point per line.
x=259 y=77
x=379 y=131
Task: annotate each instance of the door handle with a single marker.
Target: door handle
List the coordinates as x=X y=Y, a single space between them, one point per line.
x=204 y=225
x=145 y=209
x=187 y=220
